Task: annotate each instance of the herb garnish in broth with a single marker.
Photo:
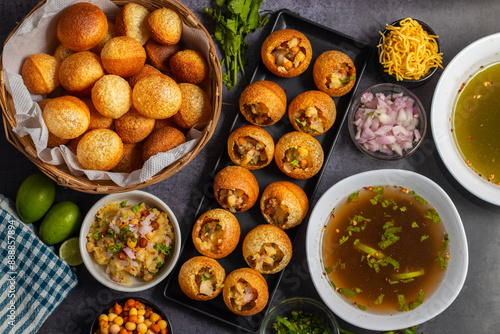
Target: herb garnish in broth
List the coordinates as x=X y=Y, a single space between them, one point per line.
x=385 y=249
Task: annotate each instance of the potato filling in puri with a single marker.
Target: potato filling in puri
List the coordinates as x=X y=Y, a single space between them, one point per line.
x=289 y=54
x=232 y=199
x=250 y=151
x=296 y=158
x=310 y=119
x=243 y=296
x=259 y=113
x=267 y=258
x=277 y=211
x=339 y=76
x=211 y=235
x=206 y=281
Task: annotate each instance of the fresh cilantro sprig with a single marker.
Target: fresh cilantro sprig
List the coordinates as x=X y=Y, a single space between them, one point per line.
x=234 y=20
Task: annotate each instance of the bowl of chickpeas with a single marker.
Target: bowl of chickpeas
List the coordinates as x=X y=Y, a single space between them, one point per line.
x=131 y=315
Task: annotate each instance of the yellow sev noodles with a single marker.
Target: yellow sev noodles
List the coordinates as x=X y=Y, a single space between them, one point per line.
x=408 y=51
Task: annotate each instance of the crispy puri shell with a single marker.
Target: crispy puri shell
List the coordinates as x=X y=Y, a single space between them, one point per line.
x=324 y=64
x=40 y=73
x=157 y=96
x=81 y=26
x=299 y=139
x=162 y=140
x=133 y=127
x=159 y=54
x=191 y=268
x=145 y=71
x=227 y=238
x=100 y=149
x=131 y=22
x=195 y=107
x=290 y=196
x=189 y=66
x=236 y=177
x=276 y=39
x=123 y=56
x=165 y=26
x=131 y=160
x=267 y=234
x=266 y=93
x=321 y=101
x=256 y=133
x=66 y=116
x=80 y=71
x=256 y=281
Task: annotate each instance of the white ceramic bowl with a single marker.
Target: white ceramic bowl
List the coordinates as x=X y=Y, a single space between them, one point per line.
x=455 y=274
x=467 y=62
x=99 y=271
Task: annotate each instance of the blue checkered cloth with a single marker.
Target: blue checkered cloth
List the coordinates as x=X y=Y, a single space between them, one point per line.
x=34 y=280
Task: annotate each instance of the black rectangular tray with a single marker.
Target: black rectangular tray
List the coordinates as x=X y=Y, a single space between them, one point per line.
x=322 y=39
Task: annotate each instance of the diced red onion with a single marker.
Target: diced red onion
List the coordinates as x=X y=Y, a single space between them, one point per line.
x=134 y=264
x=387 y=123
x=145 y=229
x=123 y=263
x=115 y=228
x=133 y=228
x=147 y=220
x=129 y=252
x=168 y=241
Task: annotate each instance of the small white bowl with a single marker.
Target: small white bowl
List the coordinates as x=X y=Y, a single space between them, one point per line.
x=455 y=274
x=99 y=271
x=482 y=52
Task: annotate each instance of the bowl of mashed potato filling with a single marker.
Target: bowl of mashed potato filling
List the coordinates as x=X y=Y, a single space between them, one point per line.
x=130 y=241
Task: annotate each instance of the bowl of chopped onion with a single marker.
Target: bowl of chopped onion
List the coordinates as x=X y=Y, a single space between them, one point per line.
x=408 y=52
x=387 y=122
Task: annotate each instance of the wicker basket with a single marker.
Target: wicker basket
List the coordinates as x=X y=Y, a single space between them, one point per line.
x=61 y=173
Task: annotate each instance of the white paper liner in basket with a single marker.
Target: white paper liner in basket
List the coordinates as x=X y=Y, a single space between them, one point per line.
x=37 y=34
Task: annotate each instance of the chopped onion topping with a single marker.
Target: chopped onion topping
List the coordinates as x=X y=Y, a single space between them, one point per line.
x=129 y=252
x=387 y=123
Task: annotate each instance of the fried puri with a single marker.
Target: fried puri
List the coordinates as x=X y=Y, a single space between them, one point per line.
x=263 y=103
x=286 y=53
x=97 y=121
x=66 y=117
x=131 y=159
x=312 y=112
x=123 y=56
x=112 y=96
x=162 y=140
x=62 y=52
x=284 y=204
x=81 y=26
x=189 y=66
x=111 y=33
x=144 y=72
x=80 y=71
x=195 y=107
x=157 y=96
x=131 y=21
x=216 y=233
x=159 y=54
x=245 y=291
x=201 y=278
x=251 y=147
x=133 y=127
x=165 y=26
x=236 y=189
x=334 y=73
x=299 y=155
x=267 y=249
x=40 y=73
x=99 y=149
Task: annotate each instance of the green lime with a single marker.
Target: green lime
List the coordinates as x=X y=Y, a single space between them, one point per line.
x=70 y=252
x=62 y=220
x=34 y=197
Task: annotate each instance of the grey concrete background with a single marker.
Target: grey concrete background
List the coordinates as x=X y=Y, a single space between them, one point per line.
x=458 y=23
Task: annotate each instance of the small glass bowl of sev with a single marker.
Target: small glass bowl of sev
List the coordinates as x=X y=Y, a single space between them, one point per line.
x=408 y=52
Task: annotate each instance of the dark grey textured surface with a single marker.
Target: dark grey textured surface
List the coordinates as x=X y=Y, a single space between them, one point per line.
x=458 y=23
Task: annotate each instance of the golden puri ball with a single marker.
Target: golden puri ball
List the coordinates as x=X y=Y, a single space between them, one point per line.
x=80 y=71
x=40 y=73
x=123 y=56
x=81 y=26
x=112 y=96
x=157 y=96
x=66 y=116
x=99 y=149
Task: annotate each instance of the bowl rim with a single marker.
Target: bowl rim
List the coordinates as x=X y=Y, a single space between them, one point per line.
x=482 y=52
x=393 y=87
x=305 y=300
x=96 y=269
x=95 y=323
x=429 y=30
x=455 y=275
